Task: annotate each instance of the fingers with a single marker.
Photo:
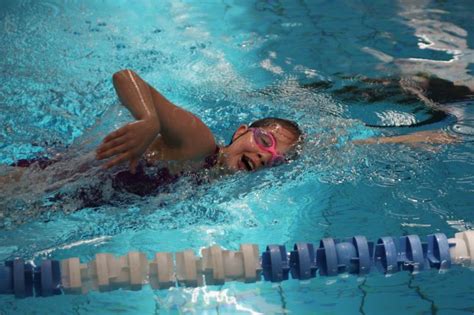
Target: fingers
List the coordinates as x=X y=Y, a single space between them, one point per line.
x=105 y=146
x=104 y=154
x=116 y=134
x=121 y=145
x=120 y=159
x=133 y=166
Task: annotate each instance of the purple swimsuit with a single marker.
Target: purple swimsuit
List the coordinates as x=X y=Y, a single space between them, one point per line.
x=141 y=183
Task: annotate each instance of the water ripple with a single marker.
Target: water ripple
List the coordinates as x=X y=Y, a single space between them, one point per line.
x=464 y=128
x=53 y=8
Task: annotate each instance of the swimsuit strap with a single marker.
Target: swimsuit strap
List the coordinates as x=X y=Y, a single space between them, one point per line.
x=211 y=160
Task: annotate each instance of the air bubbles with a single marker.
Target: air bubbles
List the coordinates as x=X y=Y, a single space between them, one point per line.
x=465 y=129
x=120 y=46
x=396 y=118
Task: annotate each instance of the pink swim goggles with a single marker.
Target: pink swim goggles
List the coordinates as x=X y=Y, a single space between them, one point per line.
x=267 y=142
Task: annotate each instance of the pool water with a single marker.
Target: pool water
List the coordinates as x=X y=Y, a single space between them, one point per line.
x=232 y=62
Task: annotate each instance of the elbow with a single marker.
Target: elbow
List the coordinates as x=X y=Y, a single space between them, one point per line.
x=122 y=75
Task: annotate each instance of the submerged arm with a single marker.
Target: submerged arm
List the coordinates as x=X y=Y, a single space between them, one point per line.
x=429 y=137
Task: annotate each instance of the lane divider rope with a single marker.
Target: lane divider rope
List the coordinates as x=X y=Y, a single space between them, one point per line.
x=215 y=266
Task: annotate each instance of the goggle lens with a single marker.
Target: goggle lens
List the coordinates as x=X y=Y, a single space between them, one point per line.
x=264 y=139
x=267 y=143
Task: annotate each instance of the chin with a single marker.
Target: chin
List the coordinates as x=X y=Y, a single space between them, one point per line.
x=235 y=165
x=231 y=165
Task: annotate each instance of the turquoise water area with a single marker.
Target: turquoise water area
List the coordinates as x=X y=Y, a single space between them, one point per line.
x=232 y=62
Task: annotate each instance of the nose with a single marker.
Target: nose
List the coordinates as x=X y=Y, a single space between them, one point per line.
x=264 y=158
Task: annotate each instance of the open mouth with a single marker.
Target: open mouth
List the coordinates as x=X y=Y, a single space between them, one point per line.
x=248 y=163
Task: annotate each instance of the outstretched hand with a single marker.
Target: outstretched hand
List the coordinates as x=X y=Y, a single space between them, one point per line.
x=128 y=143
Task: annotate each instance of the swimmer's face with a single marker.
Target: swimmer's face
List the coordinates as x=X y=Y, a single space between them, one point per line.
x=247 y=153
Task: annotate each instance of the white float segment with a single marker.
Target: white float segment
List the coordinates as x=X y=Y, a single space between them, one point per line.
x=101 y=271
x=468 y=238
x=187 y=268
x=108 y=273
x=162 y=271
x=71 y=275
x=123 y=274
x=233 y=265
x=251 y=258
x=213 y=265
x=138 y=268
x=458 y=251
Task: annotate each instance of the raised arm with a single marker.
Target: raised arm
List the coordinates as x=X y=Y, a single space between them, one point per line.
x=181 y=135
x=135 y=94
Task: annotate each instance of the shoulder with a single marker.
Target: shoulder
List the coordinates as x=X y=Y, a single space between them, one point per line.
x=197 y=150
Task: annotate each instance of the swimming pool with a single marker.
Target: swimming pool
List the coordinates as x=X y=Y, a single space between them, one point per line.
x=232 y=62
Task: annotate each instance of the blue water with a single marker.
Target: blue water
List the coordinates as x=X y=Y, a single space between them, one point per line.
x=232 y=62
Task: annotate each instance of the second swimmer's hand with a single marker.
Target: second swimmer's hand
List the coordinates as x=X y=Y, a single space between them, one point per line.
x=128 y=143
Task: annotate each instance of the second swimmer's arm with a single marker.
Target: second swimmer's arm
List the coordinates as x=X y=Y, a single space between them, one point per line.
x=429 y=137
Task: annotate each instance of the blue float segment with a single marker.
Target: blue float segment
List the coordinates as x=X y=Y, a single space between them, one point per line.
x=37 y=272
x=345 y=252
x=303 y=261
x=386 y=255
x=6 y=280
x=410 y=253
x=18 y=267
x=56 y=268
x=437 y=251
x=351 y=255
x=21 y=277
x=28 y=279
x=326 y=257
x=47 y=278
x=363 y=260
x=275 y=263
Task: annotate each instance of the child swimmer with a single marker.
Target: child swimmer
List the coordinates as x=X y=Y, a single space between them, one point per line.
x=164 y=131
